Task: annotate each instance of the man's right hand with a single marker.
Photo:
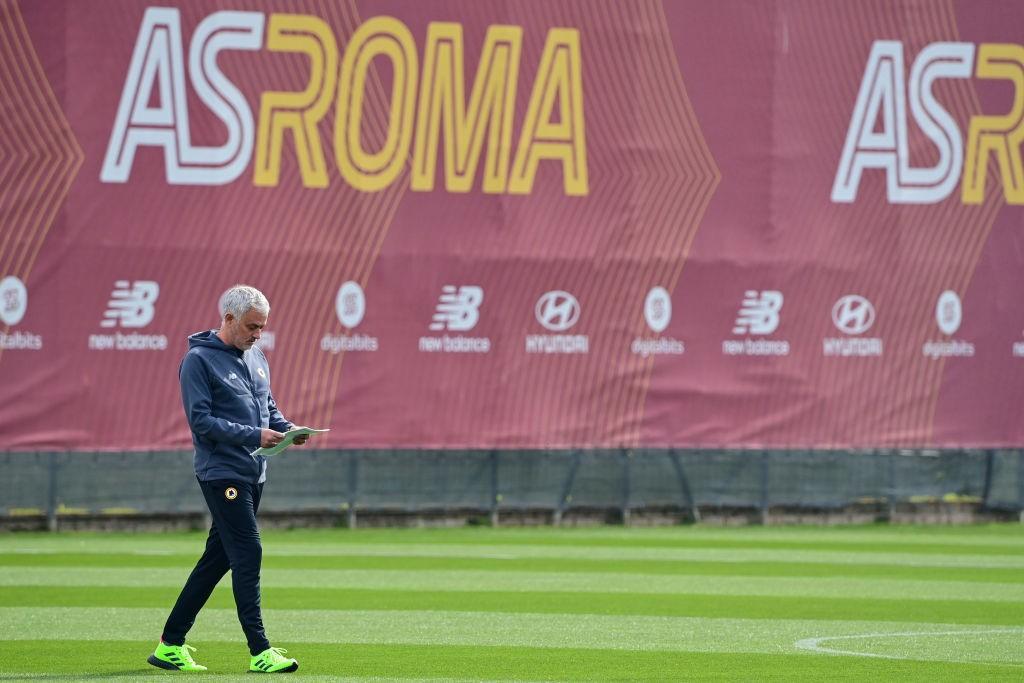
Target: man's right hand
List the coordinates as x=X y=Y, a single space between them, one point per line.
x=268 y=438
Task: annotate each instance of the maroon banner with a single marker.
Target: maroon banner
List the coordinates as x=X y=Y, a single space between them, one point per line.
x=519 y=224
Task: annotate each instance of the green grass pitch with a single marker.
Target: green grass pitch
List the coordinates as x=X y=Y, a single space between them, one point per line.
x=539 y=604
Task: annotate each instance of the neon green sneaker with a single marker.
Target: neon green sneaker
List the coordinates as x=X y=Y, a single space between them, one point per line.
x=272 y=661
x=175 y=657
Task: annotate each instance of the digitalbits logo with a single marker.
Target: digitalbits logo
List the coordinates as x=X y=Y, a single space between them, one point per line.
x=350 y=307
x=853 y=314
x=350 y=304
x=13 y=300
x=657 y=314
x=949 y=312
x=658 y=309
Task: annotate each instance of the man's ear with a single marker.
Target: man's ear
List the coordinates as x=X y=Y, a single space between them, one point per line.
x=228 y=317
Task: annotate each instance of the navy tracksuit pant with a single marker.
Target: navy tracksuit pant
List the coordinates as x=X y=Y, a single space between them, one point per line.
x=233 y=543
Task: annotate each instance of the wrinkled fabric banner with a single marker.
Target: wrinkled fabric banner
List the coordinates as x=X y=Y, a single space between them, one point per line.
x=519 y=224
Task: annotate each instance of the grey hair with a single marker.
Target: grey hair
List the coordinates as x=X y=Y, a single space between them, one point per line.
x=241 y=299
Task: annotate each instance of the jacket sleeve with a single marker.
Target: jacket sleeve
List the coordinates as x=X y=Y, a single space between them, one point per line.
x=198 y=400
x=277 y=421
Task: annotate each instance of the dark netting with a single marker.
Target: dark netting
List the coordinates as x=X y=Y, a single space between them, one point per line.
x=532 y=479
x=426 y=480
x=725 y=478
x=25 y=482
x=319 y=482
x=158 y=481
x=1005 y=481
x=557 y=480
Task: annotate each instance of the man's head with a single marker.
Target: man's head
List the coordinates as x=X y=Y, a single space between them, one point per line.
x=243 y=315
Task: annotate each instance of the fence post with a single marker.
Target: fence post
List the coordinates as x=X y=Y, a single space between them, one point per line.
x=1020 y=485
x=765 y=504
x=353 y=488
x=565 y=497
x=627 y=484
x=495 y=491
x=684 y=486
x=986 y=492
x=891 y=497
x=51 y=497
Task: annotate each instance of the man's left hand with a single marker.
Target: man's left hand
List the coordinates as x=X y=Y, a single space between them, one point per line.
x=299 y=440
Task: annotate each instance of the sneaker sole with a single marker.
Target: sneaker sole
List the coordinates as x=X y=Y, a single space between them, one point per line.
x=159 y=663
x=293 y=667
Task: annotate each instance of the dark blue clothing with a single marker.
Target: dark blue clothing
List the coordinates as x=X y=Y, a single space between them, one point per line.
x=227 y=400
x=233 y=543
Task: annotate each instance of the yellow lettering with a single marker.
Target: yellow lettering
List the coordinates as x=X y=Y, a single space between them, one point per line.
x=297 y=111
x=491 y=105
x=372 y=171
x=1001 y=135
x=558 y=82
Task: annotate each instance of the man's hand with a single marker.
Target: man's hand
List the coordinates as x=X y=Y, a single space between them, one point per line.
x=301 y=439
x=268 y=438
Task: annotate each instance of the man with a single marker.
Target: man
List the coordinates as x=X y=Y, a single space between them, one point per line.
x=225 y=388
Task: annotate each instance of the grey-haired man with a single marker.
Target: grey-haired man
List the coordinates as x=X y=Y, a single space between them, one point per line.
x=225 y=389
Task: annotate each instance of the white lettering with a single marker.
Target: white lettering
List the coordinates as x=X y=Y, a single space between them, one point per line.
x=882 y=97
x=656 y=347
x=21 y=341
x=948 y=349
x=157 y=61
x=128 y=342
x=755 y=347
x=459 y=344
x=852 y=346
x=355 y=342
x=557 y=343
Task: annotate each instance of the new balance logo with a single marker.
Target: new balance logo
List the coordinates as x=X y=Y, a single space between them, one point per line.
x=131 y=304
x=458 y=309
x=759 y=313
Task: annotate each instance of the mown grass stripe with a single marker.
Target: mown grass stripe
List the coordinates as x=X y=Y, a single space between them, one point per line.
x=125 y=661
x=690 y=605
x=625 y=566
x=817 y=587
x=14 y=554
x=956 y=539
x=675 y=634
x=460 y=541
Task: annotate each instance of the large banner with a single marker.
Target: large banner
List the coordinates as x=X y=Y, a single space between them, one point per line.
x=521 y=223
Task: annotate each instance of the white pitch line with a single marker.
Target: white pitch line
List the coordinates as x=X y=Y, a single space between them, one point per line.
x=245 y=678
x=476 y=629
x=815 y=644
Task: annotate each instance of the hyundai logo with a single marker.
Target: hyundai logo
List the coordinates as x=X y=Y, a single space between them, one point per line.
x=557 y=310
x=853 y=314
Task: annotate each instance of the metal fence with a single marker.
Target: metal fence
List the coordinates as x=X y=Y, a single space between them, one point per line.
x=490 y=482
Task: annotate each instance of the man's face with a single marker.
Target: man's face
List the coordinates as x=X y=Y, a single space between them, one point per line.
x=243 y=332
